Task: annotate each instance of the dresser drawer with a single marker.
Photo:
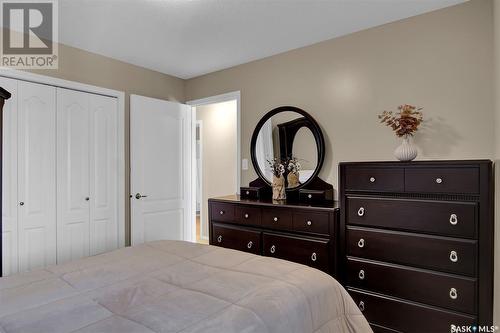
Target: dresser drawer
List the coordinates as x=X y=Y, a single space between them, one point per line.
x=443 y=290
x=407 y=317
x=237 y=238
x=248 y=215
x=439 y=253
x=311 y=222
x=311 y=252
x=374 y=179
x=438 y=217
x=223 y=212
x=442 y=180
x=277 y=218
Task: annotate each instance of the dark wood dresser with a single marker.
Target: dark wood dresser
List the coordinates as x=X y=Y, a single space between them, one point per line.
x=297 y=232
x=417 y=243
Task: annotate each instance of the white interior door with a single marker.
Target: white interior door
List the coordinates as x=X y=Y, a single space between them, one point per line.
x=36 y=175
x=103 y=174
x=9 y=180
x=73 y=175
x=160 y=142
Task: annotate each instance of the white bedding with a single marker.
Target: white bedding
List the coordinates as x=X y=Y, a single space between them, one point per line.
x=171 y=286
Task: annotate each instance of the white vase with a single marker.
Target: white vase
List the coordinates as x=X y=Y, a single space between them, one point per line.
x=406 y=151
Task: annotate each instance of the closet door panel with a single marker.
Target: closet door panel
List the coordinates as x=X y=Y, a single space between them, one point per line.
x=104 y=174
x=36 y=175
x=9 y=181
x=73 y=174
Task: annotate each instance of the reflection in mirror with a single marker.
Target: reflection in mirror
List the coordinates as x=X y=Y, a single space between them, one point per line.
x=287 y=136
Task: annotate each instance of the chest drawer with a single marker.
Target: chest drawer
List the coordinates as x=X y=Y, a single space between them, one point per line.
x=407 y=316
x=223 y=212
x=439 y=253
x=236 y=238
x=311 y=252
x=311 y=222
x=374 y=179
x=443 y=290
x=437 y=217
x=442 y=180
x=248 y=215
x=277 y=218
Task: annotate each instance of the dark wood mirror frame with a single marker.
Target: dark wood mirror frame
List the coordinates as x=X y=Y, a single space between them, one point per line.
x=4 y=95
x=314 y=183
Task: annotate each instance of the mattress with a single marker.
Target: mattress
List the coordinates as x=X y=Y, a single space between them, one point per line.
x=174 y=286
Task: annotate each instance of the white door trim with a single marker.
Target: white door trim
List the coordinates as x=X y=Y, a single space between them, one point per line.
x=199 y=124
x=120 y=96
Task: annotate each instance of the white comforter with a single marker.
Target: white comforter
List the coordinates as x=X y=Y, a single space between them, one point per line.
x=171 y=286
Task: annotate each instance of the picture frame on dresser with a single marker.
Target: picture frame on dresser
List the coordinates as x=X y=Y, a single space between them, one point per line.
x=416 y=243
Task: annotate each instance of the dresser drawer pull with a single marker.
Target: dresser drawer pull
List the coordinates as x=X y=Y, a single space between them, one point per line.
x=361 y=306
x=439 y=180
x=309 y=196
x=273 y=249
x=250 y=244
x=247 y=216
x=361 y=211
x=361 y=243
x=372 y=179
x=453 y=293
x=221 y=212
x=313 y=256
x=219 y=239
x=247 y=192
x=361 y=274
x=453 y=219
x=309 y=223
x=275 y=219
x=453 y=256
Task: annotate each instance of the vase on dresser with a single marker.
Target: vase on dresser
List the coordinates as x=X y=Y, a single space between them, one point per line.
x=293 y=179
x=406 y=151
x=279 y=192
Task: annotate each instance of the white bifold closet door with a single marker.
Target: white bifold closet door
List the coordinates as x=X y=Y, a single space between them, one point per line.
x=86 y=174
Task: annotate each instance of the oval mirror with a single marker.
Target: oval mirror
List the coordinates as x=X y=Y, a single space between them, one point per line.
x=292 y=137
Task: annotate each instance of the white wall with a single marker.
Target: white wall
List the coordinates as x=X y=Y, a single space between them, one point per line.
x=219 y=140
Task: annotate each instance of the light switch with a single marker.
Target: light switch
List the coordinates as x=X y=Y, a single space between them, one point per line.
x=244 y=164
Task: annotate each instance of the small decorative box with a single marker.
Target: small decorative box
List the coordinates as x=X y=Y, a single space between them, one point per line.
x=315 y=195
x=253 y=192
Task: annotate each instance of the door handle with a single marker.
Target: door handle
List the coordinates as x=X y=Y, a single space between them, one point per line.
x=139 y=196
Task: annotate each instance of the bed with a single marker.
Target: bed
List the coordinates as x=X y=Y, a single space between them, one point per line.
x=174 y=286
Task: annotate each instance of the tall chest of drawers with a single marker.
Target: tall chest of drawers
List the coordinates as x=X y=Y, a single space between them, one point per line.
x=302 y=233
x=416 y=243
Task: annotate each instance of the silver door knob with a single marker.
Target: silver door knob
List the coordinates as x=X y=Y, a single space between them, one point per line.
x=250 y=244
x=219 y=239
x=273 y=249
x=361 y=306
x=361 y=243
x=313 y=256
x=453 y=219
x=361 y=211
x=361 y=274
x=439 y=180
x=139 y=196
x=309 y=223
x=453 y=293
x=372 y=179
x=453 y=256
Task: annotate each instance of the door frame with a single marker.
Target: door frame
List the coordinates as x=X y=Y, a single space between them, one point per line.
x=226 y=97
x=120 y=96
x=199 y=124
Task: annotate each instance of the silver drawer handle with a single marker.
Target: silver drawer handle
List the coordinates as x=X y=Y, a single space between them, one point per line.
x=247 y=216
x=273 y=249
x=361 y=274
x=361 y=211
x=275 y=219
x=313 y=256
x=361 y=243
x=309 y=223
x=439 y=180
x=219 y=239
x=309 y=196
x=250 y=244
x=453 y=293
x=221 y=212
x=453 y=219
x=372 y=179
x=453 y=256
x=247 y=192
x=361 y=306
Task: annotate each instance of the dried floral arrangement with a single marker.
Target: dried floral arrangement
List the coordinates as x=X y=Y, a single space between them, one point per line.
x=293 y=165
x=277 y=166
x=405 y=121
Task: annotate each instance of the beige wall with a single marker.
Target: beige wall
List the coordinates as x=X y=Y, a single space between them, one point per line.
x=219 y=160
x=440 y=60
x=82 y=66
x=496 y=17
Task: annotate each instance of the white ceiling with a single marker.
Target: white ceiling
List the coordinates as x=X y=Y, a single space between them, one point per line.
x=188 y=38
